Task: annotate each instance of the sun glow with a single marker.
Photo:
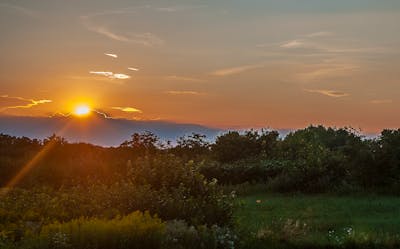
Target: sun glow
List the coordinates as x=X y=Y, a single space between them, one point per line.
x=82 y=110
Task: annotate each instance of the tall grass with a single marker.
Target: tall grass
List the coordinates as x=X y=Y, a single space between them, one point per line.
x=134 y=231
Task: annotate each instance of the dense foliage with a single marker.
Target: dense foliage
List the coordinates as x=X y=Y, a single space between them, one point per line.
x=162 y=185
x=52 y=189
x=314 y=159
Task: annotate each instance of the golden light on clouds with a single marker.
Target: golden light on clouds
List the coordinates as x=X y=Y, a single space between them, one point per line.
x=120 y=76
x=111 y=55
x=23 y=103
x=127 y=109
x=111 y=75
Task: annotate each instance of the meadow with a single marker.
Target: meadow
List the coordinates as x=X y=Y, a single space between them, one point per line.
x=319 y=221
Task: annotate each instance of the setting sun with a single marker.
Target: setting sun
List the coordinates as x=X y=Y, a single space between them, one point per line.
x=82 y=110
x=113 y=112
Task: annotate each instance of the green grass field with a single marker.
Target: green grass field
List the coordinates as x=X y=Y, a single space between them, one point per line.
x=321 y=221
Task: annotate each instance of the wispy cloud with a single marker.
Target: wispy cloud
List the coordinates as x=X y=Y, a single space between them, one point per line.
x=111 y=75
x=182 y=78
x=323 y=71
x=329 y=93
x=120 y=76
x=168 y=9
x=311 y=43
x=180 y=8
x=103 y=73
x=108 y=33
x=293 y=44
x=146 y=39
x=235 y=70
x=19 y=9
x=184 y=93
x=127 y=109
x=11 y=102
x=360 y=50
x=111 y=55
x=133 y=68
x=381 y=101
x=320 y=34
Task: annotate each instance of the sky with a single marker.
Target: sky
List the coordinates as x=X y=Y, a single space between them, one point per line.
x=223 y=63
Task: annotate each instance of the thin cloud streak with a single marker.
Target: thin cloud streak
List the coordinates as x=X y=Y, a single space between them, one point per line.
x=120 y=76
x=111 y=75
x=31 y=102
x=319 y=34
x=180 y=8
x=329 y=93
x=103 y=73
x=133 y=68
x=381 y=101
x=111 y=55
x=235 y=70
x=127 y=109
x=327 y=71
x=318 y=47
x=146 y=39
x=293 y=44
x=182 y=78
x=184 y=93
x=22 y=10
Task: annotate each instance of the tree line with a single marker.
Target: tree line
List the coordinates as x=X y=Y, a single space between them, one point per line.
x=314 y=159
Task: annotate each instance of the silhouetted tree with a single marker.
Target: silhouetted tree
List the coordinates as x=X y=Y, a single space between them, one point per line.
x=233 y=146
x=145 y=142
x=192 y=146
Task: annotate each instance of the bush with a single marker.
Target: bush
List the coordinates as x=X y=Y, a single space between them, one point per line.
x=183 y=192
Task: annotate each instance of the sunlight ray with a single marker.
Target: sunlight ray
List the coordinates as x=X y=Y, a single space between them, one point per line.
x=31 y=164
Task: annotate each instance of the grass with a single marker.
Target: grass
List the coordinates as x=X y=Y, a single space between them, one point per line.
x=321 y=220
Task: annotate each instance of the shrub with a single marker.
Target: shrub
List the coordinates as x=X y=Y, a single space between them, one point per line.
x=183 y=192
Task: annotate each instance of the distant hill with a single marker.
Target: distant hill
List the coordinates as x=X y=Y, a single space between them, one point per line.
x=96 y=128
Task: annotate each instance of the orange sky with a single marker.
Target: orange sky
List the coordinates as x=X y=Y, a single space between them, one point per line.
x=237 y=64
